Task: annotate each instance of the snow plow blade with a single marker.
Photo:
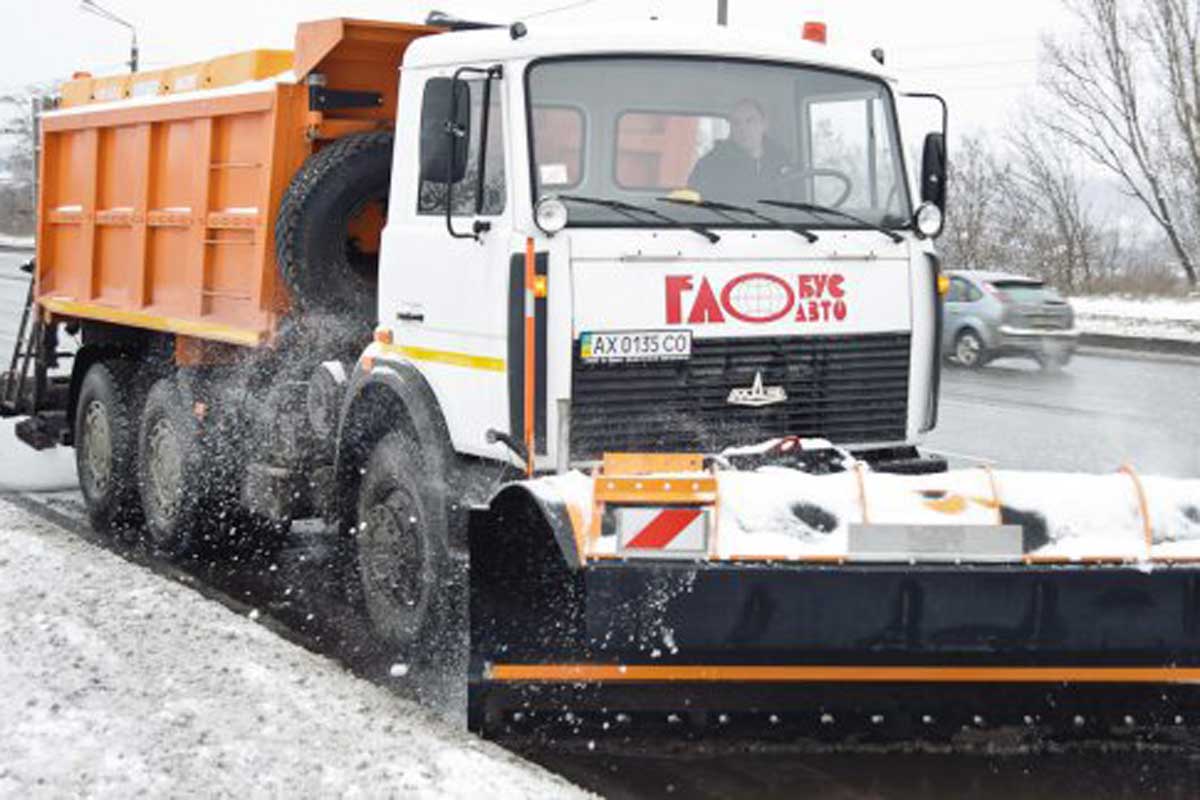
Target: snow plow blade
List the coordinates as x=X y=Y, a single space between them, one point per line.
x=828 y=643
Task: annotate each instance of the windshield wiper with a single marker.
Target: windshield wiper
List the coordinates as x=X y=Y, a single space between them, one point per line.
x=630 y=210
x=812 y=208
x=723 y=208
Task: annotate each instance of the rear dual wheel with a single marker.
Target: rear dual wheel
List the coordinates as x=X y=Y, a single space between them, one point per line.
x=106 y=442
x=188 y=479
x=172 y=470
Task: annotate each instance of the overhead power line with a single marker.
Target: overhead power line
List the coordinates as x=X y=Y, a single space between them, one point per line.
x=555 y=10
x=944 y=45
x=968 y=65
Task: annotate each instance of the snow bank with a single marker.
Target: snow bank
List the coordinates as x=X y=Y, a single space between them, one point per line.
x=8 y=242
x=120 y=683
x=23 y=469
x=1156 y=318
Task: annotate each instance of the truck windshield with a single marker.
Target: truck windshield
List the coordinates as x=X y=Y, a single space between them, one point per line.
x=638 y=130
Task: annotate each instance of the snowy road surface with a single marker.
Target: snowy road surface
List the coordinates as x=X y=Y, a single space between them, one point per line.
x=1095 y=415
x=118 y=682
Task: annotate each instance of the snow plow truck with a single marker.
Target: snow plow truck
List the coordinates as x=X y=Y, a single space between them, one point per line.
x=614 y=345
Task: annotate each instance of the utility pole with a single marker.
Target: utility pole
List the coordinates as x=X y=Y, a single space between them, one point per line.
x=722 y=12
x=92 y=7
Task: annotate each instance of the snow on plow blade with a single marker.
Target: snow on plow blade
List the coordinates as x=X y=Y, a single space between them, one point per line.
x=1012 y=597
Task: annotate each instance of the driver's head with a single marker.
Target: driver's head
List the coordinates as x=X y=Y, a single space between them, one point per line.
x=748 y=126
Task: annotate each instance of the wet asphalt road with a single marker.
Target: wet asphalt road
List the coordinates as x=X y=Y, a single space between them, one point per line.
x=1100 y=412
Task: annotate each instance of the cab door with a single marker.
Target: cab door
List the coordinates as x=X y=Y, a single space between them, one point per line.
x=444 y=293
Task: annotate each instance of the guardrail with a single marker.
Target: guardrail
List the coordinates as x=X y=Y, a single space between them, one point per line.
x=1141 y=344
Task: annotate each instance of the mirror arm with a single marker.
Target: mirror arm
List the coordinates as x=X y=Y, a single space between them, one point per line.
x=945 y=132
x=942 y=101
x=454 y=131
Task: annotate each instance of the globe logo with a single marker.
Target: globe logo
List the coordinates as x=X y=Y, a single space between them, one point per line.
x=757 y=298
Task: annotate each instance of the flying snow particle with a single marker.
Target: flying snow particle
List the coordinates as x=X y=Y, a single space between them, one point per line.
x=398 y=670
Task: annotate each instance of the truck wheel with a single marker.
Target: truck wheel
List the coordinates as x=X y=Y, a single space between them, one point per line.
x=969 y=350
x=327 y=231
x=401 y=548
x=171 y=471
x=106 y=436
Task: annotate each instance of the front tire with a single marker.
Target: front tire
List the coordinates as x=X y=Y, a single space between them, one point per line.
x=401 y=548
x=106 y=437
x=969 y=350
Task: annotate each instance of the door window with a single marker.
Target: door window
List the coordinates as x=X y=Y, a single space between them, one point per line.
x=958 y=291
x=431 y=199
x=855 y=163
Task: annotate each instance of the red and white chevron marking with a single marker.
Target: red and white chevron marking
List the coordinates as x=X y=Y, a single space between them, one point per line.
x=663 y=530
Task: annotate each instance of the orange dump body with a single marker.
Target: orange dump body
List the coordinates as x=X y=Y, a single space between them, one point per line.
x=157 y=205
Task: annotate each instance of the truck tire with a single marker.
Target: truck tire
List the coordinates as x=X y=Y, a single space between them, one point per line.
x=401 y=551
x=106 y=437
x=171 y=471
x=336 y=200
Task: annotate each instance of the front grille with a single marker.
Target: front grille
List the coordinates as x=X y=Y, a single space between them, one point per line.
x=848 y=389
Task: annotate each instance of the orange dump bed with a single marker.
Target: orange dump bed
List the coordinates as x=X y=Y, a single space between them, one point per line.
x=157 y=204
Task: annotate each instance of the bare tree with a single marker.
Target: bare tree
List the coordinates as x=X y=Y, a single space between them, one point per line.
x=1106 y=107
x=1046 y=213
x=974 y=228
x=16 y=163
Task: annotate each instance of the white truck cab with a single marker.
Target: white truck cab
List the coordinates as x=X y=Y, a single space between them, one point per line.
x=720 y=231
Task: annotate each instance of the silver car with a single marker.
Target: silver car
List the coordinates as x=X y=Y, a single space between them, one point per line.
x=992 y=314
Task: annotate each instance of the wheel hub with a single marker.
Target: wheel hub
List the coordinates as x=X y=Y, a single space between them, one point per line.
x=165 y=464
x=393 y=553
x=967 y=350
x=97 y=448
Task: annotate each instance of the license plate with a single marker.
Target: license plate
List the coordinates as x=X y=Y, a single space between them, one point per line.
x=623 y=346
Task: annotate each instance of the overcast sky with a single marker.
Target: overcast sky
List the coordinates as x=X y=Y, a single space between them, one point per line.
x=981 y=56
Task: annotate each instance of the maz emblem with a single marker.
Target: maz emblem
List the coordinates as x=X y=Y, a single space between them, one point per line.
x=757 y=395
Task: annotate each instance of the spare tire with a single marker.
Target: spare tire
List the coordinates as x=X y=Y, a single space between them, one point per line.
x=327 y=231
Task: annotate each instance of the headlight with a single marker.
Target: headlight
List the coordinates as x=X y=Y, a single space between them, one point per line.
x=550 y=215
x=928 y=220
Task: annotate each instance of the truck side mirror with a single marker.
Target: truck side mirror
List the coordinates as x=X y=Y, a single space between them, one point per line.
x=933 y=171
x=445 y=130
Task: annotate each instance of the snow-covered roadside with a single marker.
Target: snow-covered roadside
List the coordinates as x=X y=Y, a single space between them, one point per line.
x=1157 y=318
x=23 y=469
x=9 y=242
x=117 y=682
